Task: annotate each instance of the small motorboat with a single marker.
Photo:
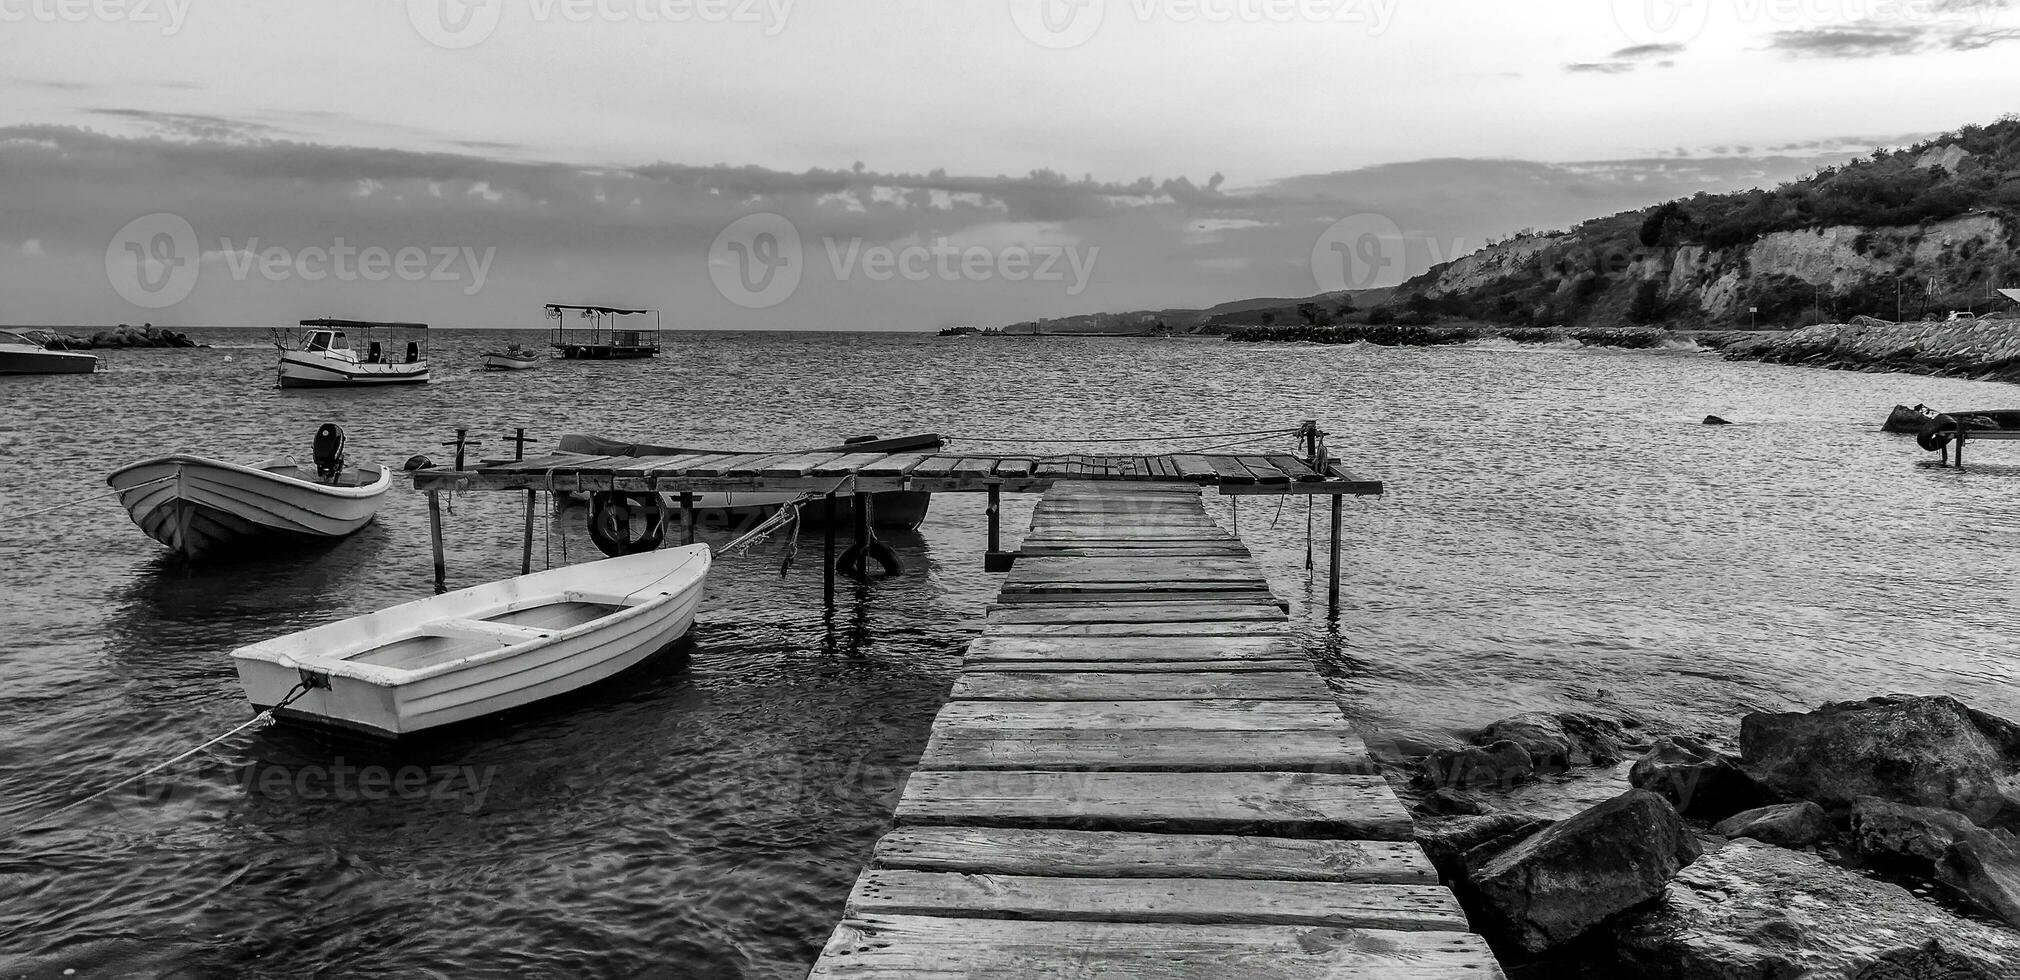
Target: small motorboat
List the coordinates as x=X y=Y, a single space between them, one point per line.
x=513 y=358
x=479 y=651
x=22 y=354
x=206 y=508
x=323 y=356
x=900 y=509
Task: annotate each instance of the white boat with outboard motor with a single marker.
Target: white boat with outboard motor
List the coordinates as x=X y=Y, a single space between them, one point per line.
x=22 y=354
x=203 y=507
x=476 y=652
x=353 y=354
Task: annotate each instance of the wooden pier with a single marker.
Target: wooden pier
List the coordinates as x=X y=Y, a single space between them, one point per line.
x=1139 y=775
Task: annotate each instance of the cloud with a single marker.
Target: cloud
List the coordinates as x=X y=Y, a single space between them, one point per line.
x=1647 y=51
x=1871 y=39
x=1600 y=67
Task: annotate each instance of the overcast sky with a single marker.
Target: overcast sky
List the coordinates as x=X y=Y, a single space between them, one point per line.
x=1153 y=152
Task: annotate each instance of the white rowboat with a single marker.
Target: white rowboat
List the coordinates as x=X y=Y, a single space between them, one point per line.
x=479 y=651
x=207 y=508
x=513 y=358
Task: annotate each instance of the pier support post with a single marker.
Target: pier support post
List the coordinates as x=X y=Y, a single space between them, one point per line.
x=435 y=535
x=687 y=515
x=828 y=551
x=526 y=546
x=995 y=518
x=861 y=501
x=1333 y=583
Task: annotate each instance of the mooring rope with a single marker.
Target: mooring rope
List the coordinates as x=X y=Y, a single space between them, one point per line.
x=95 y=496
x=259 y=719
x=790 y=512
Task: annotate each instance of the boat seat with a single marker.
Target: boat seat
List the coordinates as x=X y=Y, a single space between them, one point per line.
x=477 y=629
x=329 y=451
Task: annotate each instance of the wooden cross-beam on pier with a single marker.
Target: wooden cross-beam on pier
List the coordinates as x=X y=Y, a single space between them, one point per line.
x=1233 y=475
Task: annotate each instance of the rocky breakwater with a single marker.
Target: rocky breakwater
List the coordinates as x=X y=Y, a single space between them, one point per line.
x=1985 y=349
x=1863 y=839
x=122 y=336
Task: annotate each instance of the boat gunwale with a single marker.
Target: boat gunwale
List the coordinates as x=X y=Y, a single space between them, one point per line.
x=183 y=460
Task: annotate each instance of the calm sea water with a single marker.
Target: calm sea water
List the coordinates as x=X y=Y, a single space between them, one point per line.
x=1560 y=533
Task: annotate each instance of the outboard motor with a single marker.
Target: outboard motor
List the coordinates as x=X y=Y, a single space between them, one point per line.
x=329 y=450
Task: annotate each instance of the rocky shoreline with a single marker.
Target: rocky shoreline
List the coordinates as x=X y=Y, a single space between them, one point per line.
x=1980 y=350
x=1861 y=839
x=122 y=336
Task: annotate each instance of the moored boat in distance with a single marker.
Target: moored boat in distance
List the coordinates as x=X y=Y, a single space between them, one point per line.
x=209 y=508
x=21 y=354
x=513 y=358
x=327 y=354
x=603 y=339
x=479 y=651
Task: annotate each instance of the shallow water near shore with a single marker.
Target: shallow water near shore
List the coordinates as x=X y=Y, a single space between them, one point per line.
x=1559 y=534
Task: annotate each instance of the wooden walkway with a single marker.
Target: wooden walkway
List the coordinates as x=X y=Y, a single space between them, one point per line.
x=1139 y=775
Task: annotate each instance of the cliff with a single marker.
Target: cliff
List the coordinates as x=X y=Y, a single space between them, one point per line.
x=1902 y=235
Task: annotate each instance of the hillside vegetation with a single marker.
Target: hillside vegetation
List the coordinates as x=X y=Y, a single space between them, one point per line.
x=1902 y=234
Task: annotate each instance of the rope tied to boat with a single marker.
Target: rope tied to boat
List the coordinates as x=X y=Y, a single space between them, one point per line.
x=258 y=720
x=95 y=496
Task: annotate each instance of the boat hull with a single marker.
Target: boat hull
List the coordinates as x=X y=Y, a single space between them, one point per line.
x=300 y=370
x=366 y=690
x=25 y=361
x=205 y=508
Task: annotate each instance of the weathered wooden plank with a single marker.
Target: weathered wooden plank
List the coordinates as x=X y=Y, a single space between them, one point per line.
x=1102 y=551
x=1083 y=854
x=974 y=468
x=994 y=648
x=1203 y=629
x=1230 y=470
x=640 y=465
x=1137 y=612
x=1194 y=467
x=937 y=467
x=850 y=464
x=1314 y=749
x=1226 y=715
x=1014 y=468
x=1296 y=685
x=1052 y=467
x=1199 y=901
x=1278 y=804
x=1102 y=569
x=1264 y=471
x=802 y=465
x=1176 y=593
x=887 y=947
x=897 y=464
x=1143 y=666
x=684 y=465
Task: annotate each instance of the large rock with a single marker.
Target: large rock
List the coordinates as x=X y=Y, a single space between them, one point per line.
x=1698 y=779
x=1557 y=742
x=1985 y=866
x=1561 y=882
x=1903 y=836
x=1923 y=751
x=1783 y=825
x=1752 y=911
x=1501 y=765
x=1452 y=843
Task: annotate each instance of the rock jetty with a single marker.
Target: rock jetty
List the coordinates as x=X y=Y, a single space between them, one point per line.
x=1985 y=349
x=145 y=335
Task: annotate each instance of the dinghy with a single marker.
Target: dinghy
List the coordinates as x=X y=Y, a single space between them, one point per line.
x=479 y=651
x=513 y=358
x=206 y=508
